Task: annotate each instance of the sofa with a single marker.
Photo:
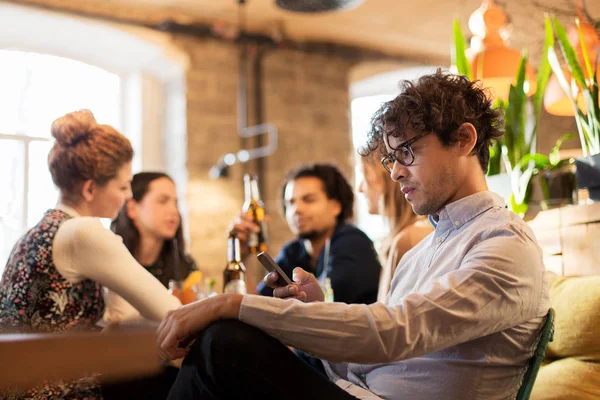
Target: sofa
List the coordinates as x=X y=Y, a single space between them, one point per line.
x=572 y=366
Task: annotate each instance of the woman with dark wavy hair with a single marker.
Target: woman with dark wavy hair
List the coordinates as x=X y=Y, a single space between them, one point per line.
x=150 y=225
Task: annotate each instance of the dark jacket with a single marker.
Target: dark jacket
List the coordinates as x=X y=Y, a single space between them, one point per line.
x=353 y=265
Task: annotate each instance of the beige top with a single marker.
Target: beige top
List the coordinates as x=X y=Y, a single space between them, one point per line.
x=401 y=243
x=84 y=249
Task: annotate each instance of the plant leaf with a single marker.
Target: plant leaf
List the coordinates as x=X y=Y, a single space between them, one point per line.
x=555 y=153
x=495 y=159
x=516 y=116
x=570 y=55
x=562 y=80
x=518 y=208
x=586 y=58
x=537 y=160
x=459 y=47
x=543 y=75
x=520 y=179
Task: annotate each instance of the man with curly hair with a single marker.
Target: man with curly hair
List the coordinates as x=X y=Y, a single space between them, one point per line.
x=317 y=202
x=465 y=308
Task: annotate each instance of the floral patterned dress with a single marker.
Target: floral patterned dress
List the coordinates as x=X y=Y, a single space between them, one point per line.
x=34 y=297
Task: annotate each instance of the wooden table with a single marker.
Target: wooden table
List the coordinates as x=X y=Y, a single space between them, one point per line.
x=27 y=359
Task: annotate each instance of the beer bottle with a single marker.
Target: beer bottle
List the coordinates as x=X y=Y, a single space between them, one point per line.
x=254 y=207
x=328 y=290
x=234 y=276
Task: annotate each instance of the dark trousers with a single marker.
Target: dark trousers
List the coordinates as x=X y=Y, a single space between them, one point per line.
x=232 y=360
x=154 y=387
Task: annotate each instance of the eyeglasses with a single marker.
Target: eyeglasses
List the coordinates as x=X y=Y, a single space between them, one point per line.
x=403 y=154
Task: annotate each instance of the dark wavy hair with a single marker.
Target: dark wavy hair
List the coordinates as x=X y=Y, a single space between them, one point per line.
x=335 y=184
x=440 y=103
x=176 y=264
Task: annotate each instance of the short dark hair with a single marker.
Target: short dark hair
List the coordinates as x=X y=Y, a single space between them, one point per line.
x=335 y=185
x=440 y=103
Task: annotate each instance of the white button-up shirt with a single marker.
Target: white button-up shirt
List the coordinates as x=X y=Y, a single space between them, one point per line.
x=461 y=321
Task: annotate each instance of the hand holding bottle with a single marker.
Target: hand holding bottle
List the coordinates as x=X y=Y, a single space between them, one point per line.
x=243 y=224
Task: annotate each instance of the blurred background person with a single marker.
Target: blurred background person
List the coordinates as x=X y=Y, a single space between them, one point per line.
x=318 y=203
x=54 y=276
x=406 y=229
x=150 y=225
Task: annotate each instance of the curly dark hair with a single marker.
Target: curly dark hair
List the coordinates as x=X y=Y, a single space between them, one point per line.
x=440 y=102
x=335 y=185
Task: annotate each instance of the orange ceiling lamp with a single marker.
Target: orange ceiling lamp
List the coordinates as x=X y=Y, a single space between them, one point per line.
x=556 y=101
x=492 y=61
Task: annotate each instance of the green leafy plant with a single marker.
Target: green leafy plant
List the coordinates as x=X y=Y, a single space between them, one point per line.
x=515 y=151
x=518 y=148
x=531 y=165
x=588 y=121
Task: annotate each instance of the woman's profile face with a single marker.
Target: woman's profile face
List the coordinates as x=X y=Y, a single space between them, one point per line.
x=156 y=213
x=110 y=197
x=372 y=187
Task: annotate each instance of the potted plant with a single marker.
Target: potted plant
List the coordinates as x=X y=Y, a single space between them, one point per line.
x=553 y=179
x=587 y=113
x=515 y=152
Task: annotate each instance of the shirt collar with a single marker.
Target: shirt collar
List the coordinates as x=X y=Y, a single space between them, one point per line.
x=464 y=210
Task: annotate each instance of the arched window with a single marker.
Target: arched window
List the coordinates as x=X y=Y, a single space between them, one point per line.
x=143 y=96
x=35 y=89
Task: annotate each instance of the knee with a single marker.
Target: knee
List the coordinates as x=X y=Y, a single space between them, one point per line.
x=224 y=339
x=229 y=332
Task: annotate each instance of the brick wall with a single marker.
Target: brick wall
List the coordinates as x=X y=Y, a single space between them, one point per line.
x=305 y=95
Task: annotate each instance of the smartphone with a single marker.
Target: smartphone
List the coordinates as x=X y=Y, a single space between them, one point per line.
x=271 y=266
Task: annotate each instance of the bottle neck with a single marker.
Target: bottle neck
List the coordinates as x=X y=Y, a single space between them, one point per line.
x=251 y=188
x=233 y=249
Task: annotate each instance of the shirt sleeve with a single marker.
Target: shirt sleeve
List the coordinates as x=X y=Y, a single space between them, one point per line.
x=499 y=285
x=354 y=269
x=84 y=249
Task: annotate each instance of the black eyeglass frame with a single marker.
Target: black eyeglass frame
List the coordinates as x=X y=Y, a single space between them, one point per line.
x=391 y=158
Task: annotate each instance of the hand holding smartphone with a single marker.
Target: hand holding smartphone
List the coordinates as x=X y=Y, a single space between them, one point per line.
x=271 y=266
